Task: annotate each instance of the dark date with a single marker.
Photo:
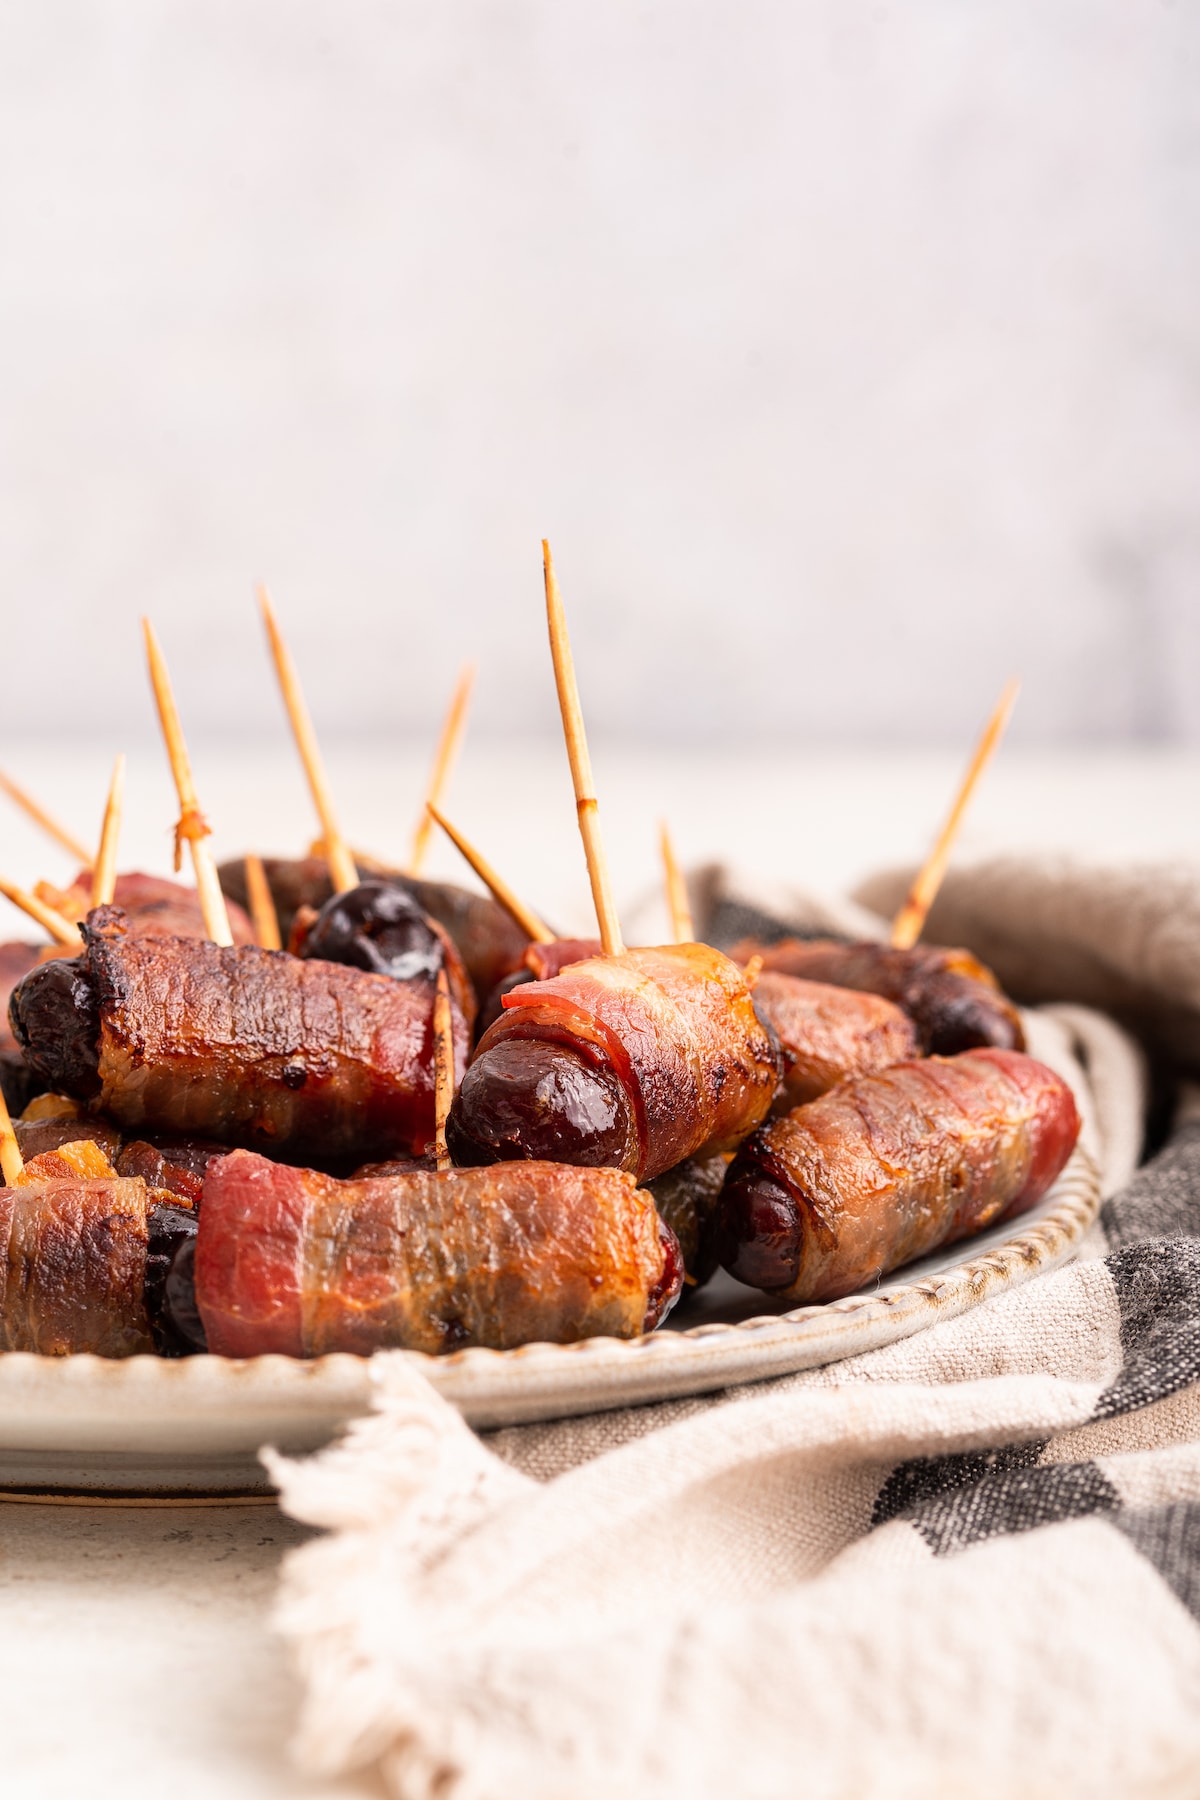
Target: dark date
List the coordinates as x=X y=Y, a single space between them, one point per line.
x=169 y=1287
x=759 y=1229
x=541 y=1102
x=55 y=1018
x=376 y=926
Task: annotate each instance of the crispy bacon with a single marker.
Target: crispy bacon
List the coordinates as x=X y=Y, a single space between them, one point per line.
x=297 y=1263
x=885 y=1168
x=633 y=1061
x=72 y=1268
x=952 y=999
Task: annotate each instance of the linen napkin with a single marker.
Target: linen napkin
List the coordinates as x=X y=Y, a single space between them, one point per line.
x=966 y=1563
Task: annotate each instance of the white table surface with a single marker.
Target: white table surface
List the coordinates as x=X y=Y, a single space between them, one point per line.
x=136 y=1658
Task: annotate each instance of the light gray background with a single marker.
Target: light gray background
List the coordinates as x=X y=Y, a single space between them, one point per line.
x=848 y=353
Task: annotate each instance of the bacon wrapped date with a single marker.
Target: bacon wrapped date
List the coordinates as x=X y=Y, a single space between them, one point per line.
x=73 y=1267
x=87 y=1264
x=887 y=1167
x=297 y=1263
x=631 y=1062
x=953 y=1000
x=827 y=1034
x=314 y=1060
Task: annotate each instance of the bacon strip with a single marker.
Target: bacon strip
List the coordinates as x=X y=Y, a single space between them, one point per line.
x=884 y=1169
x=829 y=1033
x=72 y=1268
x=297 y=1263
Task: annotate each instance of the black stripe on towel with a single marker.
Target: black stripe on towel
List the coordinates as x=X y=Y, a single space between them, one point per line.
x=1163 y=1199
x=1008 y=1500
x=927 y=1477
x=1158 y=1292
x=1169 y=1536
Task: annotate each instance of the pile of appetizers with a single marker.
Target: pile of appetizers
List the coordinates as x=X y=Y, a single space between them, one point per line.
x=319 y=1106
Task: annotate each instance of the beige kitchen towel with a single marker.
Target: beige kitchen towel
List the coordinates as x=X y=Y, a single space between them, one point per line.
x=968 y=1563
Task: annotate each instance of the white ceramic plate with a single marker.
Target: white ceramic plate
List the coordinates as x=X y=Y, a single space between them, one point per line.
x=145 y=1426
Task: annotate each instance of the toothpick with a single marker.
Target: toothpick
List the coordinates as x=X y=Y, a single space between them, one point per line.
x=443 y=1067
x=449 y=745
x=677 y=894
x=60 y=928
x=586 y=806
x=910 y=920
x=192 y=824
x=41 y=817
x=12 y=1163
x=529 y=923
x=337 y=854
x=104 y=874
x=262 y=905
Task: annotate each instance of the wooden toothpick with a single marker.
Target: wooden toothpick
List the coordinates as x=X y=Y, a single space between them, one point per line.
x=104 y=873
x=449 y=744
x=677 y=894
x=12 y=1163
x=60 y=928
x=192 y=824
x=910 y=920
x=341 y=864
x=443 y=1067
x=262 y=905
x=41 y=817
x=529 y=923
x=586 y=806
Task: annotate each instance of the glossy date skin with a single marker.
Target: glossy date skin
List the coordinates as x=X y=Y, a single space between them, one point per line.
x=635 y=1061
x=378 y=926
x=295 y=1263
x=954 y=1002
x=885 y=1168
x=544 y=1102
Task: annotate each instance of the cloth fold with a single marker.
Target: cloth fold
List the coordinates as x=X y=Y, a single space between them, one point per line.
x=968 y=1562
